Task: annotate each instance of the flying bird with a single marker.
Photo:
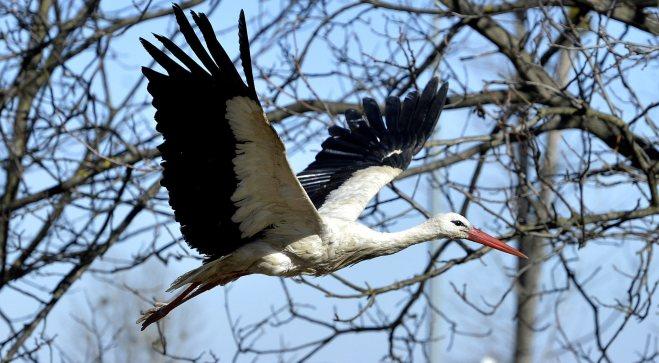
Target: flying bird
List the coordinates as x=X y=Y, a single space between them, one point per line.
x=234 y=193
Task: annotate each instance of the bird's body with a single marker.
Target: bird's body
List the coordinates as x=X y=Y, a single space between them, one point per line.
x=235 y=195
x=341 y=243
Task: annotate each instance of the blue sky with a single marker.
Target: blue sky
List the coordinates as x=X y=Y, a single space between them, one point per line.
x=204 y=320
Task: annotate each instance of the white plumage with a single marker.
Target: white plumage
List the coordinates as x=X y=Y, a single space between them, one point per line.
x=235 y=195
x=268 y=192
x=349 y=200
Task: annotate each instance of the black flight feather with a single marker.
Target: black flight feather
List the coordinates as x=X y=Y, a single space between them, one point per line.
x=199 y=146
x=192 y=39
x=218 y=53
x=372 y=113
x=170 y=66
x=180 y=55
x=245 y=56
x=370 y=141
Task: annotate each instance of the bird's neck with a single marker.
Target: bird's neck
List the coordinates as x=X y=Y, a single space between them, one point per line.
x=355 y=242
x=383 y=243
x=423 y=232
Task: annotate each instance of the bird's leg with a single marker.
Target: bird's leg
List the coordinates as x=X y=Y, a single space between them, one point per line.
x=160 y=310
x=207 y=286
x=203 y=288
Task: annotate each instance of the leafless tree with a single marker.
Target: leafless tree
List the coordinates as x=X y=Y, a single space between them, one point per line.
x=549 y=139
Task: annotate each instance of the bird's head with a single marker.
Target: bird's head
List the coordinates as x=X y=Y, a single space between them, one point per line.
x=453 y=225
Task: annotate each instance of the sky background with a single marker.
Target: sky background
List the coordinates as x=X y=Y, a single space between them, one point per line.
x=202 y=324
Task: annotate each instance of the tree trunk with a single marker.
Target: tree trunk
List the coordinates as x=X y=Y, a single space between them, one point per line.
x=530 y=270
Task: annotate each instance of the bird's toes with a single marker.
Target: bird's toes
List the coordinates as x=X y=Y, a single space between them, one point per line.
x=155 y=310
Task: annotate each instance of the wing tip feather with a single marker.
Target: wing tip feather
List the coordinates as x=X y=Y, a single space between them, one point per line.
x=245 y=55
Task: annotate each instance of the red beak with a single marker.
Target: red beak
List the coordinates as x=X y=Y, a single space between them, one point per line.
x=483 y=238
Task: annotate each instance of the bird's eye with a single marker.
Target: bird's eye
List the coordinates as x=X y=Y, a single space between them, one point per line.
x=458 y=223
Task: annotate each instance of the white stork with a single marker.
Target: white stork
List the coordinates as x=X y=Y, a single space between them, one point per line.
x=234 y=193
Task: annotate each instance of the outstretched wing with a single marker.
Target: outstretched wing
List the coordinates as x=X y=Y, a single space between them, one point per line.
x=223 y=164
x=356 y=162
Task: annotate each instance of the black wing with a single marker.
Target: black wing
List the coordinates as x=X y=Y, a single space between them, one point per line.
x=356 y=162
x=215 y=136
